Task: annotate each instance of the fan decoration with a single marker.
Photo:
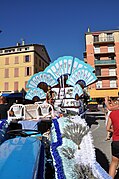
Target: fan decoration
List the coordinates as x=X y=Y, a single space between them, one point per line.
x=41 y=77
x=65 y=66
x=35 y=92
x=77 y=90
x=65 y=71
x=77 y=64
x=62 y=66
x=84 y=75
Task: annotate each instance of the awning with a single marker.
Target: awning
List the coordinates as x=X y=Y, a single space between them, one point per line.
x=13 y=95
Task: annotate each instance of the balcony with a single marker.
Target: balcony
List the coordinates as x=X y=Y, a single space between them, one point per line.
x=106 y=87
x=103 y=40
x=104 y=52
x=100 y=76
x=104 y=62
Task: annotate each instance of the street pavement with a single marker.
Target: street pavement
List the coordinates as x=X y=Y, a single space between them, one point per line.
x=102 y=147
x=99 y=135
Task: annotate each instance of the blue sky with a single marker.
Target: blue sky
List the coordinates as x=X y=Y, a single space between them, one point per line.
x=60 y=25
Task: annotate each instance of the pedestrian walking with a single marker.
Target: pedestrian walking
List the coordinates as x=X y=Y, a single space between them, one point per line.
x=113 y=126
x=111 y=104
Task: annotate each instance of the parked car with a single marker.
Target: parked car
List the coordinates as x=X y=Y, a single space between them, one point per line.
x=92 y=106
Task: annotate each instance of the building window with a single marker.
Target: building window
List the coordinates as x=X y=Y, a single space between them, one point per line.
x=96 y=38
x=112 y=71
x=7 y=51
x=6 y=86
x=36 y=70
x=27 y=48
x=99 y=84
x=111 y=57
x=13 y=50
x=26 y=84
x=27 y=71
x=39 y=62
x=36 y=60
x=113 y=83
x=42 y=65
x=6 y=73
x=110 y=48
x=97 y=57
x=19 y=49
x=16 y=86
x=7 y=61
x=16 y=72
x=96 y=49
x=16 y=60
x=110 y=37
x=98 y=71
x=27 y=58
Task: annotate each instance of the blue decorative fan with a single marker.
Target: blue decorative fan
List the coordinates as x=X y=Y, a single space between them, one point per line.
x=66 y=65
x=77 y=64
x=41 y=77
x=35 y=92
x=63 y=65
x=67 y=62
x=77 y=90
x=84 y=75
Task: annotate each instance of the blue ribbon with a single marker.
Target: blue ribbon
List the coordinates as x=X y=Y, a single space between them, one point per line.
x=54 y=145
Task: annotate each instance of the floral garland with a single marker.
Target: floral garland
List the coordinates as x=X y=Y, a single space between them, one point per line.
x=54 y=145
x=2 y=123
x=85 y=156
x=3 y=128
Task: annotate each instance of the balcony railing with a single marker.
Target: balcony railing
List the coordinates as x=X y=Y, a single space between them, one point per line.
x=104 y=51
x=105 y=62
x=103 y=39
x=106 y=86
x=108 y=75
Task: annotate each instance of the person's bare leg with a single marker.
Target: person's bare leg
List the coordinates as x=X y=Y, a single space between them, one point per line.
x=113 y=166
x=108 y=136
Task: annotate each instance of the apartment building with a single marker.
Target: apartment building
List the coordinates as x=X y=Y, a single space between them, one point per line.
x=18 y=63
x=102 y=53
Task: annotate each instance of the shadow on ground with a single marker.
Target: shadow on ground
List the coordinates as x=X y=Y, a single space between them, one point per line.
x=102 y=159
x=91 y=120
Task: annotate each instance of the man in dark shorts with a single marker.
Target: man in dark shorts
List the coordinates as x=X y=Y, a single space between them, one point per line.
x=113 y=126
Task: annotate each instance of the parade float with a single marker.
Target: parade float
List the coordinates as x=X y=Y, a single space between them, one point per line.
x=71 y=143
x=70 y=140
